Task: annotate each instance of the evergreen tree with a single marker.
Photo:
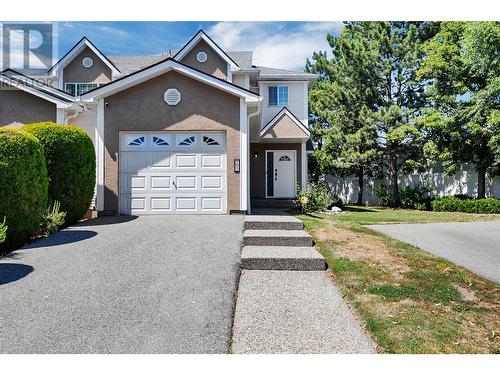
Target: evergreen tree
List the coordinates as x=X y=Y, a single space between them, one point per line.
x=367 y=99
x=463 y=123
x=340 y=105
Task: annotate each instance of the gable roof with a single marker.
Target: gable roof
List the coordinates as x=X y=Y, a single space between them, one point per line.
x=38 y=83
x=284 y=112
x=79 y=47
x=162 y=67
x=37 y=88
x=194 y=41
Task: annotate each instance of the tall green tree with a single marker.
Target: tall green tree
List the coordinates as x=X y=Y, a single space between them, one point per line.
x=369 y=97
x=341 y=102
x=463 y=124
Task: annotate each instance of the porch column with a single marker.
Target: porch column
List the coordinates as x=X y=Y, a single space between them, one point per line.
x=303 y=158
x=244 y=153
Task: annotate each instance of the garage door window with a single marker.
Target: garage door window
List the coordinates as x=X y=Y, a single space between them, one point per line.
x=160 y=141
x=135 y=141
x=187 y=141
x=209 y=141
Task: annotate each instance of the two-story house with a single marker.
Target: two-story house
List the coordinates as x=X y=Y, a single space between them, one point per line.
x=200 y=131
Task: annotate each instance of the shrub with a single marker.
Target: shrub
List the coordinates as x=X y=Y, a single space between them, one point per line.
x=381 y=192
x=70 y=165
x=3 y=231
x=23 y=185
x=316 y=197
x=477 y=206
x=409 y=196
x=53 y=219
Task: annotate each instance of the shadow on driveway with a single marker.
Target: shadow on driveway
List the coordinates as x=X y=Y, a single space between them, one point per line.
x=106 y=220
x=61 y=238
x=10 y=272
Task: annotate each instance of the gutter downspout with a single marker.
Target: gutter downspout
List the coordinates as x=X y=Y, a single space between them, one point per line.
x=71 y=117
x=250 y=116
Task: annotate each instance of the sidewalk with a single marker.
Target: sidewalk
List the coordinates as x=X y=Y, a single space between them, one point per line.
x=286 y=303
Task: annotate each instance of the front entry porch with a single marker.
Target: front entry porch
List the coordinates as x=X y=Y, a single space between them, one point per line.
x=277 y=171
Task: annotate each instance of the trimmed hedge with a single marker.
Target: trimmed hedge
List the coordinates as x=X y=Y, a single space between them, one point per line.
x=475 y=206
x=70 y=157
x=23 y=186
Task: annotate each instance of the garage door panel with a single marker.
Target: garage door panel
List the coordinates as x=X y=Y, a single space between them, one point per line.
x=161 y=182
x=186 y=182
x=172 y=178
x=211 y=203
x=185 y=203
x=160 y=160
x=138 y=203
x=186 y=161
x=161 y=204
x=134 y=162
x=211 y=161
x=211 y=182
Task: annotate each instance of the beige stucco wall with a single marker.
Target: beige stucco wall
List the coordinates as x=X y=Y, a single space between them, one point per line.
x=258 y=166
x=215 y=65
x=19 y=106
x=76 y=72
x=142 y=108
x=284 y=128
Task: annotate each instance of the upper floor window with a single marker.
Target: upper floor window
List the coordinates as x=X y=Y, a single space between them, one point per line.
x=77 y=89
x=278 y=95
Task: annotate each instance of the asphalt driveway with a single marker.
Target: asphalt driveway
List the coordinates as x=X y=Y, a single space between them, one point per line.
x=154 y=284
x=474 y=245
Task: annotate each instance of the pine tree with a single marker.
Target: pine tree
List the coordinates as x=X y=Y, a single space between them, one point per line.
x=340 y=105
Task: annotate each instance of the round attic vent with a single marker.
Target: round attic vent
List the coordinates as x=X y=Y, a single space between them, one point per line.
x=201 y=57
x=87 y=62
x=172 y=96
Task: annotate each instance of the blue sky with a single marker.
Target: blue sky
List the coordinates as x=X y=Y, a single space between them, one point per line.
x=277 y=44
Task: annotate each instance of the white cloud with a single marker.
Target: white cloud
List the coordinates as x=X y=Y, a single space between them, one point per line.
x=274 y=44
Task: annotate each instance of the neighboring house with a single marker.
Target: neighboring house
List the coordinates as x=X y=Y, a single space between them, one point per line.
x=200 y=131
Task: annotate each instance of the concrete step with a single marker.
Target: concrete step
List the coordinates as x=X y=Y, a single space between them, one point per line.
x=268 y=222
x=292 y=258
x=272 y=203
x=254 y=237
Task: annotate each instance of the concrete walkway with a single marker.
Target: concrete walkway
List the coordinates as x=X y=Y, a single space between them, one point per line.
x=294 y=312
x=473 y=245
x=286 y=303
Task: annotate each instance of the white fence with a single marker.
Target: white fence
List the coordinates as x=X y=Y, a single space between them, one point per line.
x=463 y=182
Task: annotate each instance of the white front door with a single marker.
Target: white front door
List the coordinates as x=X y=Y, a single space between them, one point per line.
x=172 y=173
x=281 y=179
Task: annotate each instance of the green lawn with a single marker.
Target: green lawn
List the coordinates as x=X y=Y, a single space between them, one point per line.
x=411 y=301
x=382 y=215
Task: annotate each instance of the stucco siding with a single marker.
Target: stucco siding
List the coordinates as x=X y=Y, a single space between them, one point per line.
x=297 y=101
x=142 y=107
x=215 y=65
x=19 y=106
x=258 y=165
x=75 y=72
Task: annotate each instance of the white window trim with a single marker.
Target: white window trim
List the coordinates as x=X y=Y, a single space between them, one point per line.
x=79 y=83
x=278 y=97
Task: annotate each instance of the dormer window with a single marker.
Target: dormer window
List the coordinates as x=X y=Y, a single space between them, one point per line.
x=77 y=89
x=87 y=62
x=202 y=57
x=278 y=95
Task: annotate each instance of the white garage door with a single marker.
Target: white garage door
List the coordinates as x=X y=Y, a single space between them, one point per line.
x=173 y=173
